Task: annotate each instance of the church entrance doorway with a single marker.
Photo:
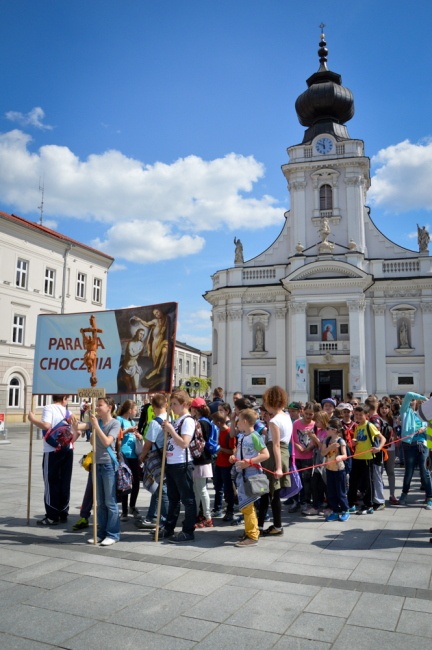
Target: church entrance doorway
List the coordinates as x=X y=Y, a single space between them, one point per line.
x=328 y=383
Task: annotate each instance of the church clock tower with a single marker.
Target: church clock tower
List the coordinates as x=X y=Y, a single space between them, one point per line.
x=328 y=174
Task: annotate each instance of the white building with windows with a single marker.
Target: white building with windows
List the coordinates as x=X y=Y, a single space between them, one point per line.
x=41 y=272
x=190 y=362
x=333 y=305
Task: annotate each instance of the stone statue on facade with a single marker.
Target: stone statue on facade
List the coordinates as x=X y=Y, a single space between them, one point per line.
x=423 y=238
x=324 y=230
x=403 y=336
x=238 y=254
x=259 y=339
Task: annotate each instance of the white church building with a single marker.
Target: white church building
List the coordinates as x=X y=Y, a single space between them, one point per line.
x=333 y=305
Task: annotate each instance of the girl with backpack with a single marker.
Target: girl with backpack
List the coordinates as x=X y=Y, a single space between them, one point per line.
x=203 y=465
x=334 y=451
x=130 y=448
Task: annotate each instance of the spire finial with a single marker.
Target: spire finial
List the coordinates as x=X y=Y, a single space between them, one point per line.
x=323 y=51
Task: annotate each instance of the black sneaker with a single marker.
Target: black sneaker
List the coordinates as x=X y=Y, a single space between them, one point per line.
x=180 y=537
x=229 y=516
x=46 y=521
x=163 y=533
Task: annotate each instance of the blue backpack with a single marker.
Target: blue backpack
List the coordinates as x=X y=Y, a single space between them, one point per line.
x=212 y=445
x=61 y=435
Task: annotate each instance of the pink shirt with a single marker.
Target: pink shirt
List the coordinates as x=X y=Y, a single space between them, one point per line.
x=300 y=436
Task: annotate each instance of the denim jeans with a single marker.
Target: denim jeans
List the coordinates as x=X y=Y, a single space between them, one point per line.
x=223 y=483
x=180 y=489
x=108 y=519
x=416 y=454
x=151 y=512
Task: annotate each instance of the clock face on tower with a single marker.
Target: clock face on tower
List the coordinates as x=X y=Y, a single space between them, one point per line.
x=324 y=145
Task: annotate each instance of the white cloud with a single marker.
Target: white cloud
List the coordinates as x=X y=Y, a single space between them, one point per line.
x=34 y=118
x=50 y=223
x=173 y=201
x=402 y=179
x=118 y=267
x=149 y=242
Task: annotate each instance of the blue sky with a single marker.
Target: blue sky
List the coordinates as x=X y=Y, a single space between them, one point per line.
x=159 y=127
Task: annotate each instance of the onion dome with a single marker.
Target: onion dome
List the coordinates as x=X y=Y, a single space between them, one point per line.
x=326 y=105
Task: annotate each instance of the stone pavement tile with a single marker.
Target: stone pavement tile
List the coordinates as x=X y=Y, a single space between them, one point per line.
x=417 y=623
x=423 y=548
x=106 y=572
x=4 y=570
x=18 y=558
x=194 y=582
x=186 y=628
x=155 y=611
x=293 y=643
x=377 y=611
x=337 y=602
x=363 y=638
x=7 y=641
x=29 y=574
x=40 y=624
x=238 y=638
x=411 y=574
x=276 y=586
x=51 y=579
x=317 y=627
x=229 y=599
x=19 y=593
x=160 y=576
x=233 y=556
x=105 y=635
x=418 y=605
x=327 y=559
x=371 y=570
x=306 y=569
x=85 y=597
x=269 y=612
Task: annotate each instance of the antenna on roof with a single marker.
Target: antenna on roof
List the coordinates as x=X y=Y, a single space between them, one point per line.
x=41 y=206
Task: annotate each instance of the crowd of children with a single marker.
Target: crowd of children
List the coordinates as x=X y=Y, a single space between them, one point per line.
x=339 y=450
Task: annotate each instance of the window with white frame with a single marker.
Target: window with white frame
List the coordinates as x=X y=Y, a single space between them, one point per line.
x=97 y=291
x=42 y=400
x=81 y=286
x=74 y=399
x=14 y=392
x=49 y=282
x=188 y=368
x=18 y=329
x=326 y=197
x=194 y=369
x=22 y=273
x=180 y=366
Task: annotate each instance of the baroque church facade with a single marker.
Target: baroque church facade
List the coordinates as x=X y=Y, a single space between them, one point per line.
x=333 y=305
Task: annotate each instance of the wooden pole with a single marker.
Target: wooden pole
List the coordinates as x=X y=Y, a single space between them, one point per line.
x=93 y=470
x=162 y=475
x=30 y=465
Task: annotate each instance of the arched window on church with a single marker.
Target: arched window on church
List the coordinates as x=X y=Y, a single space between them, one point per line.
x=326 y=197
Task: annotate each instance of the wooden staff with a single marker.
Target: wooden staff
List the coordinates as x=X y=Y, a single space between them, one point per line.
x=30 y=465
x=156 y=539
x=93 y=470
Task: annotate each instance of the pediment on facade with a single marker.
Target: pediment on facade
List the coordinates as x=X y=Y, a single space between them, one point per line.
x=323 y=272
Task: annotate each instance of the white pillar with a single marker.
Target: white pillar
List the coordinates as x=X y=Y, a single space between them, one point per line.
x=281 y=348
x=380 y=350
x=297 y=350
x=233 y=380
x=426 y=308
x=355 y=206
x=298 y=210
x=357 y=348
x=220 y=378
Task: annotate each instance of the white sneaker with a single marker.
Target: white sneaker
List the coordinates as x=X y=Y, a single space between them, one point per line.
x=108 y=541
x=91 y=541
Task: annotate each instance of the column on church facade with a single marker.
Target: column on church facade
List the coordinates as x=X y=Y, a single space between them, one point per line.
x=355 y=206
x=380 y=350
x=358 y=386
x=281 y=351
x=219 y=377
x=426 y=308
x=233 y=381
x=297 y=350
x=298 y=210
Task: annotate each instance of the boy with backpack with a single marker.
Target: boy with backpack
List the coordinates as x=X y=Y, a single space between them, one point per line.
x=250 y=452
x=222 y=470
